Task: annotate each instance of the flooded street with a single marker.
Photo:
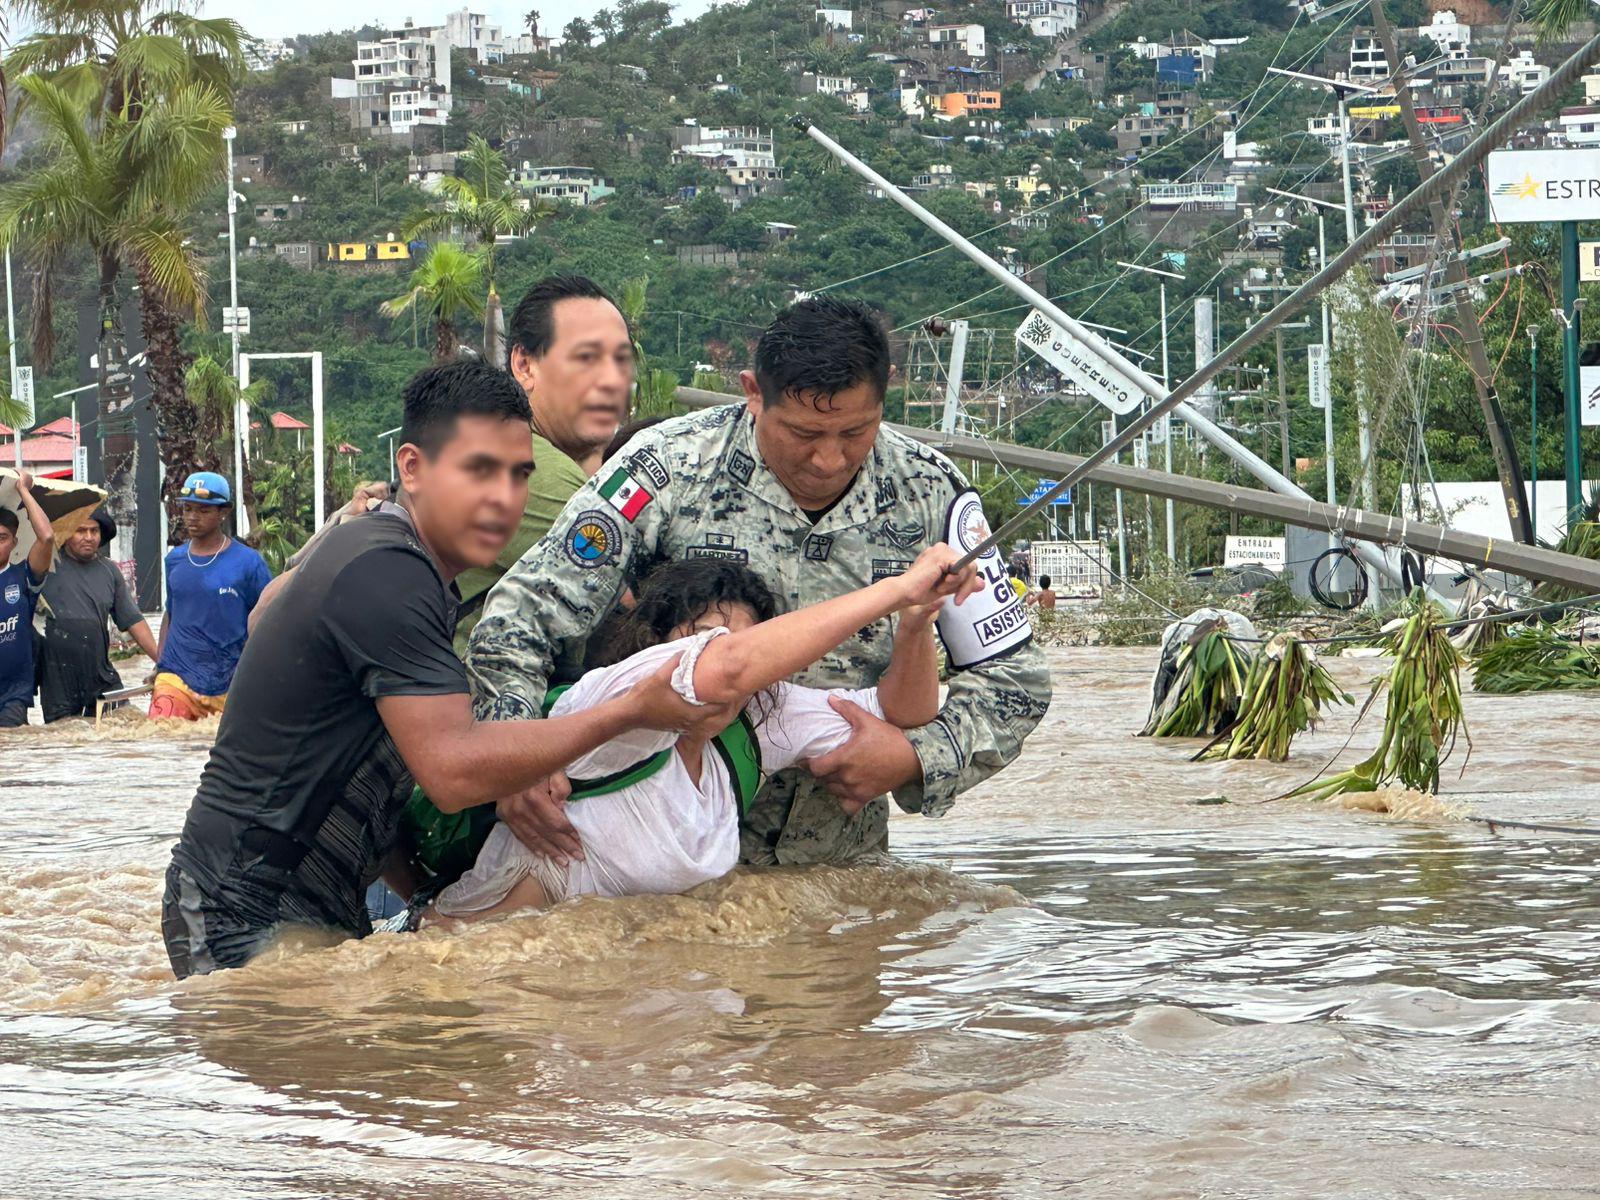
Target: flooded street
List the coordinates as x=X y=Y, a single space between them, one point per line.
x=1081 y=982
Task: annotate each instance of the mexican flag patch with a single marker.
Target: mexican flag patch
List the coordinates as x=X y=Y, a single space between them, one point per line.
x=625 y=493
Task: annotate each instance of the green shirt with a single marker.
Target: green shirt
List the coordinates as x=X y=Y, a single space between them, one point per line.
x=555 y=478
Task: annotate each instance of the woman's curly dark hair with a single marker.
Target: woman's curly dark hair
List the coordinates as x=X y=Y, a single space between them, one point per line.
x=677 y=594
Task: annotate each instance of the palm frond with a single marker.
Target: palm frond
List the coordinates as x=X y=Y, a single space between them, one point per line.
x=48 y=52
x=221 y=37
x=1554 y=17
x=63 y=119
x=159 y=248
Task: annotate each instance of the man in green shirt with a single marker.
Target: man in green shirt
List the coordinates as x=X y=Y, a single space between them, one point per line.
x=573 y=354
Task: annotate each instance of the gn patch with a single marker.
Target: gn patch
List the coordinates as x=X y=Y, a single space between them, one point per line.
x=718 y=545
x=741 y=466
x=594 y=540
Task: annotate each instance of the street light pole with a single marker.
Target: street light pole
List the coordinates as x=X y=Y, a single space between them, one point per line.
x=240 y=519
x=1533 y=429
x=1166 y=382
x=11 y=348
x=1166 y=432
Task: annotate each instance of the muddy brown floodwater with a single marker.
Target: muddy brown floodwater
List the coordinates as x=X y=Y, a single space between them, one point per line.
x=1079 y=983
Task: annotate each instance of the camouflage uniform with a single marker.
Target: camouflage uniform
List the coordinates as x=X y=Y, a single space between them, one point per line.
x=696 y=487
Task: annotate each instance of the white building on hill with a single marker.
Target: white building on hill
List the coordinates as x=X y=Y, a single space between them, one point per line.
x=1045 y=18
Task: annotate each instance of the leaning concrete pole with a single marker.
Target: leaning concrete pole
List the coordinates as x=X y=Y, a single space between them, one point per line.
x=1507 y=465
x=1166 y=402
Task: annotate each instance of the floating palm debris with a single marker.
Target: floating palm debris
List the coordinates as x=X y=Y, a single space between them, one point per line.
x=1535 y=659
x=1284 y=694
x=1423 y=714
x=1199 y=682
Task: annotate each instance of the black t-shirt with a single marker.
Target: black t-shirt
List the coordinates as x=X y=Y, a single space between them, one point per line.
x=367 y=615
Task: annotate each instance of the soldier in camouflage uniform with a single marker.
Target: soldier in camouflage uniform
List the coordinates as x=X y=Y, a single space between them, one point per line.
x=804 y=485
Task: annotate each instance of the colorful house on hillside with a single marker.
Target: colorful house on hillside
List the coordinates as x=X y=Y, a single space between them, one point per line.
x=953 y=105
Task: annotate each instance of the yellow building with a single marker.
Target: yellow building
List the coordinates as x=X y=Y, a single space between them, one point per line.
x=349 y=252
x=392 y=251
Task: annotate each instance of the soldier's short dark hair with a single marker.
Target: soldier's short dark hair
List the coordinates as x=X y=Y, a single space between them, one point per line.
x=533 y=323
x=436 y=396
x=8 y=520
x=820 y=346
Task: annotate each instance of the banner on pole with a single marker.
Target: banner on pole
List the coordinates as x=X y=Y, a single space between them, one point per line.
x=1543 y=185
x=1589 y=395
x=1104 y=380
x=1317 y=376
x=22 y=393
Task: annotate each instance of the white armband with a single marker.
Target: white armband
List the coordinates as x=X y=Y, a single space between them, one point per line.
x=993 y=620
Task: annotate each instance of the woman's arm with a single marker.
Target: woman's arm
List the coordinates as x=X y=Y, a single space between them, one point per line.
x=460 y=762
x=909 y=690
x=738 y=666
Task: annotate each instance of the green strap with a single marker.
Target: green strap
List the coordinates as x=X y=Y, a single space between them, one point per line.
x=737 y=746
x=741 y=754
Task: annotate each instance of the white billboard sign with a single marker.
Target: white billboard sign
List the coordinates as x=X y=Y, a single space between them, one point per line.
x=1268 y=551
x=1317 y=374
x=1102 y=380
x=1544 y=185
x=1589 y=395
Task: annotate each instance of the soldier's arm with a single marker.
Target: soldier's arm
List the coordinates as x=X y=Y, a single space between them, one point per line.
x=563 y=587
x=990 y=710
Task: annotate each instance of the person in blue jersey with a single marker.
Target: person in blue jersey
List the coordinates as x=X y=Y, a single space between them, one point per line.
x=20 y=585
x=213 y=582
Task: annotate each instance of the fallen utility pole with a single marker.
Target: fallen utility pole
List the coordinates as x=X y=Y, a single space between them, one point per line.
x=1529 y=562
x=1446 y=238
x=1164 y=402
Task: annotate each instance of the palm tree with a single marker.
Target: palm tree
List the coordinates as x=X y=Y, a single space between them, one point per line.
x=120 y=188
x=481 y=202
x=112 y=56
x=444 y=286
x=123 y=62
x=531 y=20
x=216 y=397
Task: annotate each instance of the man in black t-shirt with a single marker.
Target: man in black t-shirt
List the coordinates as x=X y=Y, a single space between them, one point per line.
x=349 y=690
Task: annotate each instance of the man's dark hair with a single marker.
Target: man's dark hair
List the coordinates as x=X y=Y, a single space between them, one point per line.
x=8 y=520
x=819 y=347
x=468 y=387
x=533 y=323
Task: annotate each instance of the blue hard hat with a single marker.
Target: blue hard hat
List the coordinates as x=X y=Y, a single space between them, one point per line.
x=205 y=487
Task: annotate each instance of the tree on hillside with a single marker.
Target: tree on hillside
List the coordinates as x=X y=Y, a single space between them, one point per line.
x=578 y=33
x=531 y=20
x=480 y=202
x=121 y=190
x=445 y=286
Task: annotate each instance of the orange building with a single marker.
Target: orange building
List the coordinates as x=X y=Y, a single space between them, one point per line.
x=959 y=104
